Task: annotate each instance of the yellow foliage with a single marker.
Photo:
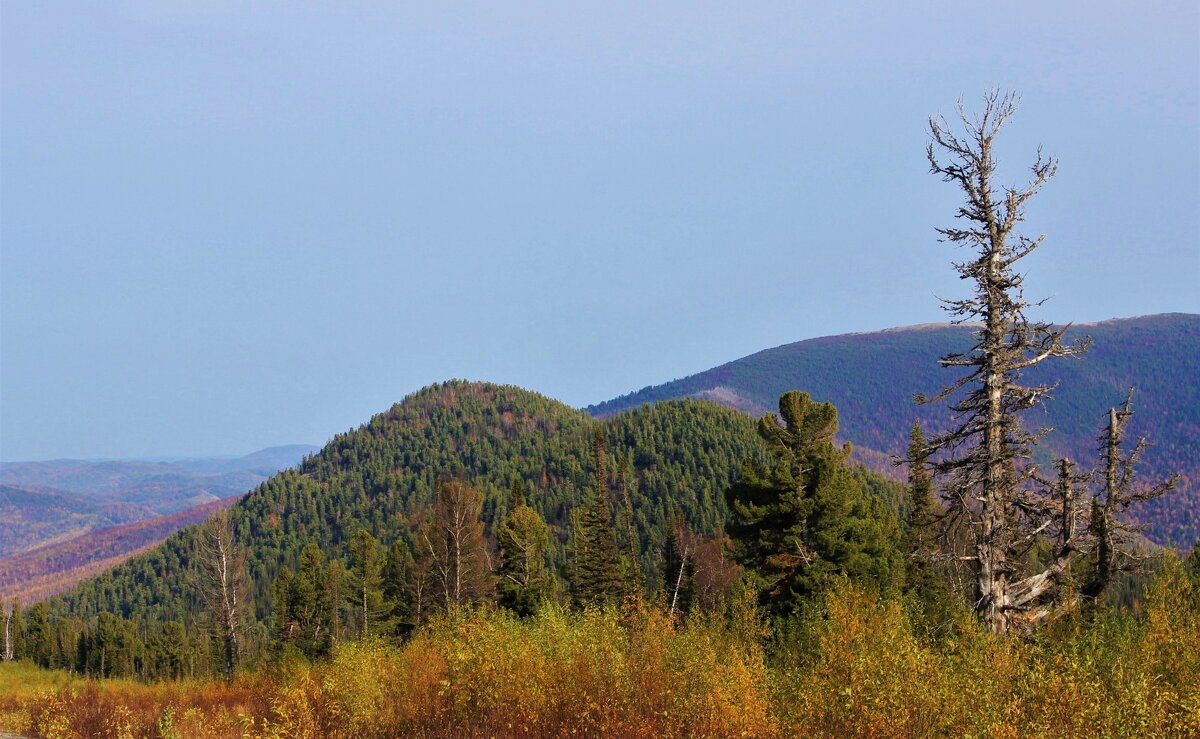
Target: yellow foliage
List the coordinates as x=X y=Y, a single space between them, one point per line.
x=640 y=673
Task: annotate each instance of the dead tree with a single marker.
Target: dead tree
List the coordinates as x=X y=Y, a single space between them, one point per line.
x=1109 y=527
x=220 y=581
x=986 y=454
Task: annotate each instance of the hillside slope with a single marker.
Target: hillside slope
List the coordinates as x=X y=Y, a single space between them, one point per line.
x=872 y=378
x=48 y=502
x=53 y=568
x=674 y=459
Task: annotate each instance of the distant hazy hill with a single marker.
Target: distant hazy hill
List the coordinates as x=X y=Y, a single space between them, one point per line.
x=54 y=501
x=36 y=515
x=872 y=378
x=675 y=459
x=53 y=568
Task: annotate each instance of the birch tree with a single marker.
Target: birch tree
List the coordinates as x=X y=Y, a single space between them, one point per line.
x=220 y=583
x=454 y=543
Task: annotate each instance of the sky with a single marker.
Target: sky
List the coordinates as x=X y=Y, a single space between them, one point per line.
x=227 y=225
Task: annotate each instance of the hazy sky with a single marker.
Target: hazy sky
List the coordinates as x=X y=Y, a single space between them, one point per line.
x=229 y=225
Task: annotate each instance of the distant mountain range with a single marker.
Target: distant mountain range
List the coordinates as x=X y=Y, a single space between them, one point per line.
x=60 y=518
x=872 y=378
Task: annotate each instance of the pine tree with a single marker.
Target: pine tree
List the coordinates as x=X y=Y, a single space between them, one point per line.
x=803 y=516
x=308 y=603
x=994 y=489
x=523 y=540
x=283 y=622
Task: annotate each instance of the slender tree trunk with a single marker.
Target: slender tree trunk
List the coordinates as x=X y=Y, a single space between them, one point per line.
x=679 y=579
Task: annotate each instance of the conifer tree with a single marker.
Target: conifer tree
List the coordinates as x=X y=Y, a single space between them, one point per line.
x=1192 y=564
x=595 y=574
x=365 y=584
x=1109 y=527
x=523 y=540
x=40 y=637
x=171 y=649
x=802 y=516
x=308 y=603
x=401 y=588
x=283 y=622
x=922 y=510
x=631 y=550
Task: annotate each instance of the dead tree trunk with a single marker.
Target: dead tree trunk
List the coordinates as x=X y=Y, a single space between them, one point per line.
x=1112 y=553
x=986 y=456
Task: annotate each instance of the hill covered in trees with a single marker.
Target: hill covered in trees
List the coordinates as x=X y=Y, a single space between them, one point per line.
x=872 y=378
x=674 y=460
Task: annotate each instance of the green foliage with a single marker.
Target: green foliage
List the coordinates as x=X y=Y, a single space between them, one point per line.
x=595 y=572
x=802 y=516
x=364 y=591
x=678 y=572
x=679 y=458
x=401 y=587
x=524 y=580
x=871 y=379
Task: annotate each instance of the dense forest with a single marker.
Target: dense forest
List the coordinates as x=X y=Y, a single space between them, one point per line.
x=666 y=465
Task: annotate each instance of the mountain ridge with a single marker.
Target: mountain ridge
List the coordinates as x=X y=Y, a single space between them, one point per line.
x=872 y=376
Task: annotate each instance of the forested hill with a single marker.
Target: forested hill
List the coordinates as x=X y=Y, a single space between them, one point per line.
x=872 y=378
x=675 y=459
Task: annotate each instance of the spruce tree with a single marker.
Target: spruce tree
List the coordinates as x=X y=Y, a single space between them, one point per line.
x=922 y=509
x=803 y=516
x=365 y=585
x=595 y=575
x=399 y=587
x=630 y=544
x=523 y=540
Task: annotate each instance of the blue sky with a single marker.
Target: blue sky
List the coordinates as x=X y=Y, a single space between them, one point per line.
x=225 y=227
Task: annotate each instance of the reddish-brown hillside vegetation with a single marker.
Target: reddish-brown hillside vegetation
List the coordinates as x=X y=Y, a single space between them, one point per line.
x=52 y=569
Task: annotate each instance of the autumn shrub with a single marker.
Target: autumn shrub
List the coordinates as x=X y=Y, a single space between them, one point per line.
x=854 y=665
